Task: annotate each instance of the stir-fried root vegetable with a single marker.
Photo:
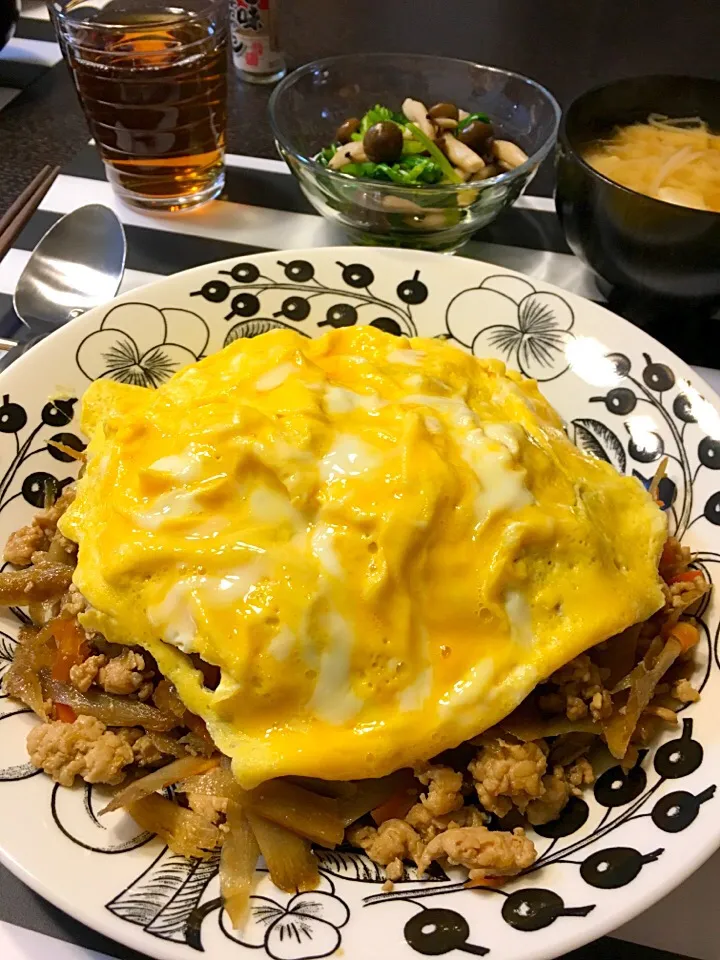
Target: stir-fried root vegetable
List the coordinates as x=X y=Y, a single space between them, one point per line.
x=397 y=805
x=71 y=649
x=618 y=655
x=218 y=782
x=687 y=635
x=167 y=745
x=184 y=831
x=238 y=859
x=529 y=726
x=308 y=814
x=372 y=793
x=36 y=584
x=167 y=700
x=115 y=711
x=657 y=477
x=22 y=679
x=568 y=747
x=289 y=859
x=641 y=683
x=158 y=780
x=339 y=789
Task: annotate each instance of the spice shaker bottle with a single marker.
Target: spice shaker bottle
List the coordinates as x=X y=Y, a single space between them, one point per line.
x=256 y=52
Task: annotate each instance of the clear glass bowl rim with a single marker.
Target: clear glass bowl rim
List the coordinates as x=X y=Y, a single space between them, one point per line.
x=532 y=161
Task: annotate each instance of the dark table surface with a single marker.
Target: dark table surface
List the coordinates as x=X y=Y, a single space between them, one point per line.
x=567 y=46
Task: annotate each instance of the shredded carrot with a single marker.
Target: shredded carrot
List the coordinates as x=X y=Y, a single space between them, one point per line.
x=687 y=635
x=686 y=577
x=72 y=649
x=65 y=713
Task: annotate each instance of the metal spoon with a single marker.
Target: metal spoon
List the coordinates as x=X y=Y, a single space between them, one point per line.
x=78 y=264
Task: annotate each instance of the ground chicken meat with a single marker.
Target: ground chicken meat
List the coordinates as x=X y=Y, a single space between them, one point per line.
x=428 y=827
x=73 y=603
x=563 y=783
x=85 y=748
x=548 y=807
x=394 y=871
x=685 y=692
x=580 y=774
x=47 y=519
x=61 y=547
x=444 y=785
x=675 y=558
x=509 y=773
x=83 y=675
x=123 y=674
x=483 y=852
x=212 y=808
x=685 y=593
x=23 y=543
x=680 y=597
x=146 y=752
x=392 y=840
x=580 y=691
x=36 y=537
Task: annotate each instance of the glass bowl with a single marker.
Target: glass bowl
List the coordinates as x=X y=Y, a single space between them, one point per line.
x=309 y=105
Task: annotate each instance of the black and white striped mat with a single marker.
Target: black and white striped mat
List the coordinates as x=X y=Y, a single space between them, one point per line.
x=29 y=54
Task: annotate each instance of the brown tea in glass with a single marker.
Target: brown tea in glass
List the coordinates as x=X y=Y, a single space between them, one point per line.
x=152 y=81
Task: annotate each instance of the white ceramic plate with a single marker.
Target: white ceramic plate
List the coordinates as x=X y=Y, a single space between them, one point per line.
x=624 y=397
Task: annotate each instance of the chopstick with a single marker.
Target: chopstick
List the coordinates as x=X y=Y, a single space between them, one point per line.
x=12 y=222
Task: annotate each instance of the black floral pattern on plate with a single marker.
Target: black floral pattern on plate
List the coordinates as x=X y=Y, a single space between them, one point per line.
x=530 y=328
x=38 y=486
x=136 y=344
x=341 y=301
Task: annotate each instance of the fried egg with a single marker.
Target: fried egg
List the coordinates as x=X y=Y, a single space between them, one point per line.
x=383 y=544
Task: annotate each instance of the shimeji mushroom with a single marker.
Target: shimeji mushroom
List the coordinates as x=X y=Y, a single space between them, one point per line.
x=461 y=155
x=353 y=152
x=509 y=154
x=490 y=170
x=416 y=112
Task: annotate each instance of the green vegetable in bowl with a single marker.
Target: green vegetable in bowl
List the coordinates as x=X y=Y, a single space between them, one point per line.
x=409 y=171
x=419 y=147
x=436 y=153
x=326 y=154
x=378 y=114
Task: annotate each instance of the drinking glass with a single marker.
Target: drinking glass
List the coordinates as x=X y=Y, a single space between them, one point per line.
x=152 y=80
